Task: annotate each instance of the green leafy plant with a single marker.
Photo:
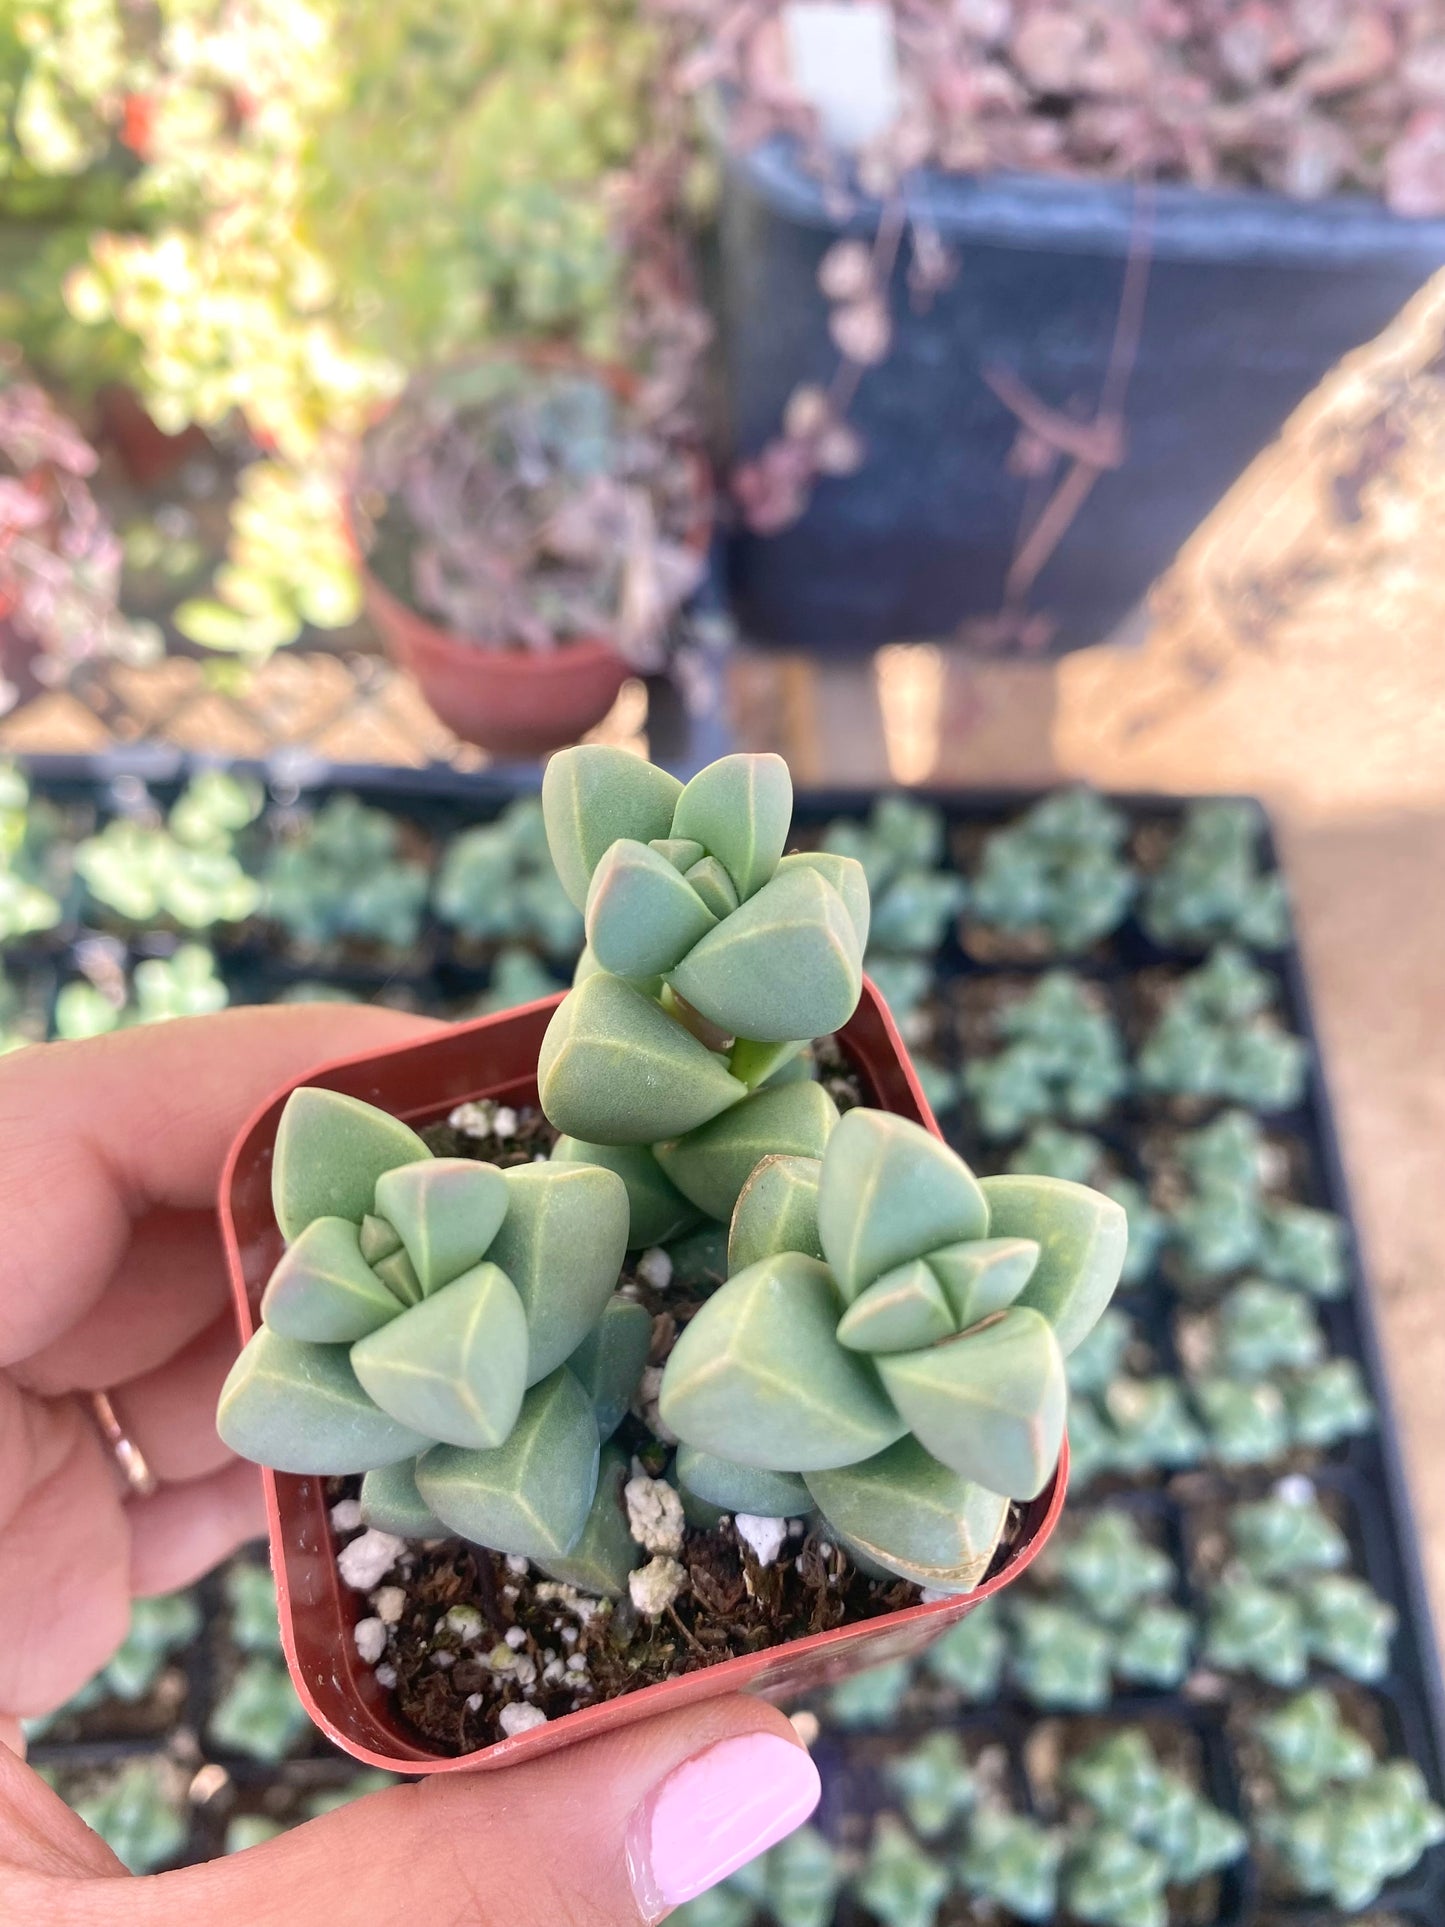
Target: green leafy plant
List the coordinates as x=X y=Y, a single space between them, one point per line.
x=258 y=1714
x=1125 y=1786
x=1062 y=1057
x=969 y=1658
x=1057 y=877
x=902 y=848
x=140 y=1814
x=794 y=1884
x=1012 y=1863
x=185 y=984
x=901 y=1883
x=344 y=875
x=1231 y=1218
x=1219 y=1037
x=1212 y=887
x=496 y=884
x=185 y=871
x=934 y=1784
x=1113 y=1880
x=1051 y=1151
x=34 y=863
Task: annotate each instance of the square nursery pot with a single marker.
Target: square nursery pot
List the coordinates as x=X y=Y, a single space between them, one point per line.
x=1251 y=298
x=496 y=1057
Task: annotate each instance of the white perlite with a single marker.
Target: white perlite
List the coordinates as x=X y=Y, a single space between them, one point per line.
x=367 y=1560
x=645 y=1405
x=504 y=1121
x=385 y=1676
x=654 y=1514
x=370 y=1637
x=474 y=1120
x=653 y=1587
x=654 y=1268
x=389 y=1603
x=765 y=1536
x=515 y=1638
x=346 y=1515
x=517 y=1564
x=519 y=1717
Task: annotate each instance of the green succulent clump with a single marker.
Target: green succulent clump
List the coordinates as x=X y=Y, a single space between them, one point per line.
x=1127 y=1790
x=1219 y=1037
x=902 y=848
x=872 y=1697
x=1275 y=1631
x=1051 y=1151
x=933 y=1783
x=33 y=863
x=1013 y=1864
x=969 y=1658
x=1058 y=874
x=1230 y=1221
x=186 y=984
x=794 y=1884
x=497 y=885
x=259 y=1714
x=1212 y=887
x=344 y=876
x=517 y=977
x=1061 y=1057
x=254 y=1619
x=184 y=871
x=1340 y=1823
x=901 y=1883
x=140 y=1814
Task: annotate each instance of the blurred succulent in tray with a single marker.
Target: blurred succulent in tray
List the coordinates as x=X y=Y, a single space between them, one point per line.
x=1213 y=886
x=344 y=875
x=1057 y=879
x=1127 y=1788
x=933 y=1783
x=140 y=1814
x=1112 y=1880
x=1061 y=1057
x=188 y=983
x=1059 y=1657
x=901 y=1883
x=35 y=861
x=1051 y=1151
x=902 y=846
x=794 y=1884
x=496 y=884
x=1339 y=1823
x=517 y=977
x=254 y=1619
x=184 y=871
x=1012 y=1863
x=1219 y=1037
x=258 y=1714
x=872 y=1697
x=969 y=1658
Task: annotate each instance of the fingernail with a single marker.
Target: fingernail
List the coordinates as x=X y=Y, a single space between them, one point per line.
x=713 y=1814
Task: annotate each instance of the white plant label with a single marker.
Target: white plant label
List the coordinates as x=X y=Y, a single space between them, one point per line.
x=845 y=66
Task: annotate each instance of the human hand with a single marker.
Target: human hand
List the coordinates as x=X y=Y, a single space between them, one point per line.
x=112 y=1278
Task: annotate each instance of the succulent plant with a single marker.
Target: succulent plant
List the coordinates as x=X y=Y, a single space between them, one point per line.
x=933 y=1783
x=1156 y=1647
x=1122 y=1781
x=1057 y=873
x=343 y=875
x=1285 y=1535
x=1261 y=1328
x=254 y=1617
x=446 y=1327
x=140 y=1815
x=1013 y=1864
x=1328 y=1404
x=1111 y=1880
x=185 y=984
x=970 y=1656
x=516 y=978
x=1349 y=1627
x=33 y=861
x=1096 y=1361
x=185 y=871
x=902 y=848
x=1050 y=1151
x=1256 y=1629
x=259 y=1714
x=901 y=1883
x=1152 y=1425
x=872 y=1697
x=1061 y=1057
x=1309 y=1746
x=497 y=884
x=1061 y=1658
x=794 y=1884
x=1245 y=1424
x=1218 y=1037
x=1230 y=1221
x=1212 y=887
x=1109 y=1567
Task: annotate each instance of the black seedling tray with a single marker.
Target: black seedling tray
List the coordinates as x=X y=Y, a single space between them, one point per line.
x=1364 y=1478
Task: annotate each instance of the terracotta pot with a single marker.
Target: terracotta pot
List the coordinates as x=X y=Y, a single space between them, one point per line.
x=496 y=1057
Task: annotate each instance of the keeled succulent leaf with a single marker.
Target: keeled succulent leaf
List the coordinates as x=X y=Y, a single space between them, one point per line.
x=562 y=1243
x=786 y=964
x=378 y=1239
x=398 y=1274
x=614 y=1068
x=642 y=916
x=680 y=851
x=890 y=1191
x=391 y=1503
x=711 y=1165
x=741 y=1488
x=300 y=1408
x=606 y=1552
x=713 y=884
x=847 y=877
x=591 y=796
x=323 y=1290
x=446 y=1213
x=984 y=1276
x=902 y=1311
x=330 y=1151
x=532 y=1494
x=913 y=1517
x=739 y=808
x=454 y=1367
x=1082 y=1237
x=657 y=1210
x=777 y=1210
x=609 y=1361
x=757 y=1064
x=990 y=1404
x=759 y=1376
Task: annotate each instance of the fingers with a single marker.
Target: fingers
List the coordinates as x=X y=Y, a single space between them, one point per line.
x=41 y=1836
x=618 y=1831
x=184 y=1530
x=92 y=1135
x=170 y=1413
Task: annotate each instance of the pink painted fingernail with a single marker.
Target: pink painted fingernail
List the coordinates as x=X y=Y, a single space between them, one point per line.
x=713 y=1814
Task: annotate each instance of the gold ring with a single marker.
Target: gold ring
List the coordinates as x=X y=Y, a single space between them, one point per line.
x=123 y=1448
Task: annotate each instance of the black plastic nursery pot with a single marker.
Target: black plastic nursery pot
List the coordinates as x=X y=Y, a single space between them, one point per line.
x=1249 y=299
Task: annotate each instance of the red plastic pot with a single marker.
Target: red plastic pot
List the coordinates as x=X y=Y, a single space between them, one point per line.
x=496 y=1057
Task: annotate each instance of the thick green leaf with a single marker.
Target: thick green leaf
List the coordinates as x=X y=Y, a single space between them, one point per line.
x=984 y=1276
x=562 y=1243
x=378 y=1239
x=902 y=1311
x=606 y=1552
x=609 y=1361
x=739 y=808
x=657 y=1210
x=446 y=1212
x=890 y=1191
x=989 y=1405
x=323 y=1290
x=454 y=1367
x=398 y=1274
x=846 y=876
x=300 y=1408
x=593 y=794
x=759 y=1376
x=531 y=1495
x=330 y=1150
x=714 y=886
x=642 y=917
x=391 y=1503
x=712 y=1164
x=777 y=1210
x=787 y=964
x=914 y=1517
x=757 y=1064
x=1082 y=1236
x=741 y=1488
x=680 y=851
x=614 y=1068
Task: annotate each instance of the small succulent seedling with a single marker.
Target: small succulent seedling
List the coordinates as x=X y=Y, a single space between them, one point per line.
x=1328 y=1404
x=33 y=866
x=1050 y=1151
x=1152 y=1425
x=1218 y=1037
x=902 y=850
x=1156 y=1647
x=259 y=1714
x=925 y=1317
x=1057 y=875
x=1061 y=1658
x=517 y=977
x=1309 y=1746
x=1261 y=1328
x=1096 y=1361
x=872 y=1697
x=343 y=875
x=1212 y=886
x=185 y=871
x=497 y=885
x=255 y=1623
x=1124 y=1784
x=1230 y=1221
x=901 y=1883
x=1012 y=1863
x=1110 y=1567
x=933 y=1783
x=1286 y=1535
x=1062 y=1057
x=140 y=1815
x=969 y=1658
x=1256 y=1629
x=187 y=984
x=796 y=1883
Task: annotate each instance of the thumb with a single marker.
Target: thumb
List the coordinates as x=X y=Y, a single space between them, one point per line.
x=613 y=1832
